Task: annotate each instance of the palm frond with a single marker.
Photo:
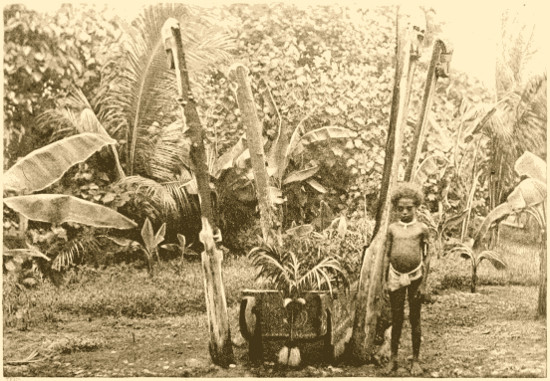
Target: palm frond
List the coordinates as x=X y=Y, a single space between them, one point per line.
x=169 y=156
x=271 y=266
x=324 y=274
x=160 y=197
x=75 y=249
x=531 y=115
x=187 y=205
x=143 y=85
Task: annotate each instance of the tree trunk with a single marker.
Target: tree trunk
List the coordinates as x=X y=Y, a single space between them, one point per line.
x=474 y=278
x=245 y=99
x=369 y=298
x=221 y=349
x=541 y=307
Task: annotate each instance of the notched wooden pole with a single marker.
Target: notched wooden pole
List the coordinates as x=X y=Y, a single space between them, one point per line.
x=220 y=346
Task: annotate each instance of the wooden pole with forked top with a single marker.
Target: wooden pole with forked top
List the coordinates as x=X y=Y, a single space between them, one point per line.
x=369 y=294
x=220 y=346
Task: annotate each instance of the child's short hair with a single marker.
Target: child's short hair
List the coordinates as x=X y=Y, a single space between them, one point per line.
x=408 y=190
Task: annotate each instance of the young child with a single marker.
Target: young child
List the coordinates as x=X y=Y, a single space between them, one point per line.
x=406 y=249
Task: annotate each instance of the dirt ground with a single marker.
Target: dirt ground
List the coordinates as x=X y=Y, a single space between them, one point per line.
x=488 y=334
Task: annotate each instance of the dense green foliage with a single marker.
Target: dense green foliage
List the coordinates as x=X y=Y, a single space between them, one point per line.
x=310 y=67
x=43 y=56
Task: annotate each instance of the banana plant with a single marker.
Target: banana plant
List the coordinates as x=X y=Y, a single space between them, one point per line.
x=45 y=166
x=41 y=169
x=529 y=196
x=132 y=106
x=439 y=224
x=279 y=155
x=466 y=251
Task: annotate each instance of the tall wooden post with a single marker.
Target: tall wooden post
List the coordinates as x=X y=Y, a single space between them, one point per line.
x=220 y=346
x=439 y=68
x=245 y=99
x=368 y=303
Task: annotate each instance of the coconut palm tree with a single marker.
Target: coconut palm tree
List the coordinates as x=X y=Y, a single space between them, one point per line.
x=135 y=104
x=517 y=120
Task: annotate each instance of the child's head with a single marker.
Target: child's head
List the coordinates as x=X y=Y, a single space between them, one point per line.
x=405 y=199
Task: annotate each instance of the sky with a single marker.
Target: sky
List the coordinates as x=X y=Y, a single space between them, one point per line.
x=471 y=26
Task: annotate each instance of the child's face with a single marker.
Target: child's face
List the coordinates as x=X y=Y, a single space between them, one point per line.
x=406 y=209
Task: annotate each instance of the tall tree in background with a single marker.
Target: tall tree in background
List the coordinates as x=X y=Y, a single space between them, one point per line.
x=517 y=121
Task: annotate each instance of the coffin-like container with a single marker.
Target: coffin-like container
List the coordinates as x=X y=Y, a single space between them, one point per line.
x=319 y=324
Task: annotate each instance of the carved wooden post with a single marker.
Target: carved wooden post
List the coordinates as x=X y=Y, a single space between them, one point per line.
x=439 y=68
x=245 y=100
x=368 y=304
x=221 y=349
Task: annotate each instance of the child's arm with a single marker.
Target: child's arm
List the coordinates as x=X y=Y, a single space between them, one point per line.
x=387 y=251
x=426 y=245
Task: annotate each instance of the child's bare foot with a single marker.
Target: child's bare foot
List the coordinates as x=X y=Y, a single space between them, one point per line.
x=416 y=370
x=391 y=367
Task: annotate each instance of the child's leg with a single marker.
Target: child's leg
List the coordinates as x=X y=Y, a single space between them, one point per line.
x=415 y=304
x=397 y=302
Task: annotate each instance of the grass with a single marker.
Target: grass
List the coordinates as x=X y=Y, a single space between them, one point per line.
x=177 y=288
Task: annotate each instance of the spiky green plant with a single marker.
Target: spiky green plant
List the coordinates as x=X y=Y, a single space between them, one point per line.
x=293 y=272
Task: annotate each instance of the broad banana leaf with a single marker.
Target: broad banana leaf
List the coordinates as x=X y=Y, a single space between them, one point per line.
x=227 y=160
x=428 y=166
x=301 y=175
x=89 y=121
x=318 y=135
x=300 y=230
x=453 y=220
x=492 y=257
x=44 y=166
x=316 y=185
x=531 y=165
x=529 y=192
x=57 y=209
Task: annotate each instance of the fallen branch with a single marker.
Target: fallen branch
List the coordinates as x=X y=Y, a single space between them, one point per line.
x=30 y=358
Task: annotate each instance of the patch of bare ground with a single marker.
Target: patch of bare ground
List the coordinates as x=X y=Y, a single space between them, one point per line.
x=491 y=333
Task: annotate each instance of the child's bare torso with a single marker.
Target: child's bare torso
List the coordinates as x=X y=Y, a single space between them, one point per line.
x=406 y=245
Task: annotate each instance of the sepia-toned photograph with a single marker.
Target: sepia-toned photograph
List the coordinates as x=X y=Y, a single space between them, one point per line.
x=223 y=189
